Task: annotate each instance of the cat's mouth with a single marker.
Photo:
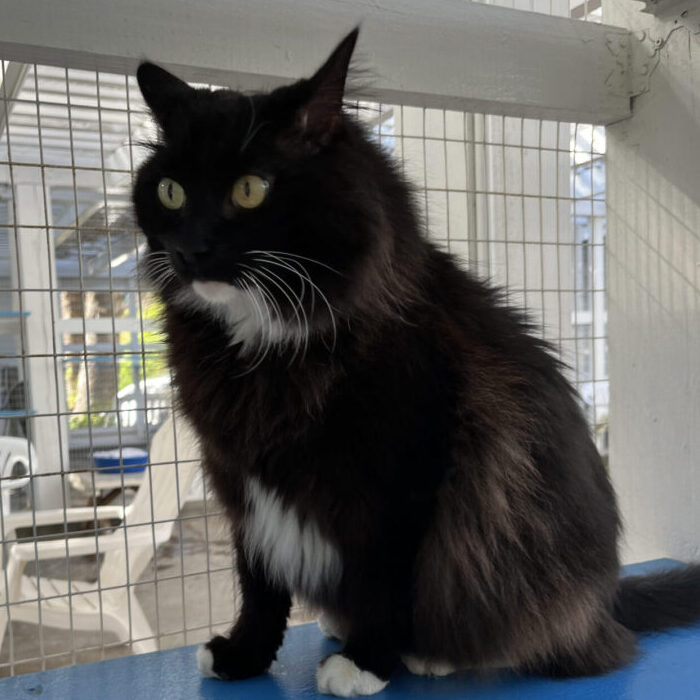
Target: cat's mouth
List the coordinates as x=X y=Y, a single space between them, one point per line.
x=215 y=292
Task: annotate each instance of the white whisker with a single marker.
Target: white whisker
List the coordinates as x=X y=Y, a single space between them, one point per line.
x=304 y=280
x=263 y=347
x=282 y=254
x=251 y=133
x=271 y=277
x=299 y=304
x=271 y=305
x=315 y=287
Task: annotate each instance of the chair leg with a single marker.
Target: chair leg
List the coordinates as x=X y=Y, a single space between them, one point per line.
x=140 y=627
x=13 y=571
x=125 y=617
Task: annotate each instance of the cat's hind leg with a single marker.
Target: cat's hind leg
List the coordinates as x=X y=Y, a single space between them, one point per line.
x=609 y=647
x=331 y=626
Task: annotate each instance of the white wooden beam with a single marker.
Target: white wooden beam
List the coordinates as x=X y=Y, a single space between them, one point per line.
x=11 y=79
x=36 y=269
x=78 y=326
x=443 y=53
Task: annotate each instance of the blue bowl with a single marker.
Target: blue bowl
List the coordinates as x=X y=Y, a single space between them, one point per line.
x=127 y=459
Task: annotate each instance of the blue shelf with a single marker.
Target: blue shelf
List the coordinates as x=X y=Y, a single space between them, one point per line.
x=19 y=413
x=666 y=668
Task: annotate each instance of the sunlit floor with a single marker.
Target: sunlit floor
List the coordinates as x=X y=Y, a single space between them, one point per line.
x=196 y=602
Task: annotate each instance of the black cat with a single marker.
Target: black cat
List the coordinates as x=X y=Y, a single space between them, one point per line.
x=389 y=440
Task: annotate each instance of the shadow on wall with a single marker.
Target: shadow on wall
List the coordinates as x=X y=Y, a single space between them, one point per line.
x=654 y=309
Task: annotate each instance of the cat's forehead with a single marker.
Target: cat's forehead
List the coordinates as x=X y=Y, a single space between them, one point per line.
x=220 y=112
x=216 y=125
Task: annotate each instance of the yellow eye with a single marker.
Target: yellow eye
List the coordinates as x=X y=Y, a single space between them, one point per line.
x=249 y=191
x=171 y=194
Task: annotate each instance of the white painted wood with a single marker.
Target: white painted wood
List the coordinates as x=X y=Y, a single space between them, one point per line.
x=11 y=80
x=35 y=269
x=57 y=516
x=78 y=326
x=444 y=53
x=654 y=299
x=96 y=481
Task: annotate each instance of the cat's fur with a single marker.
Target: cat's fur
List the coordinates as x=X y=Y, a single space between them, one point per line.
x=394 y=445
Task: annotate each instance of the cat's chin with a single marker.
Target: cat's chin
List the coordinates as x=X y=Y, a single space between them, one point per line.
x=244 y=312
x=215 y=292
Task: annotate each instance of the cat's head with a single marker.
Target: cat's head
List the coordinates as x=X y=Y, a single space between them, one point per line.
x=267 y=211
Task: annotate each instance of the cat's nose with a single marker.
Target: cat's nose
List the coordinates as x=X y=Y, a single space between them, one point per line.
x=190 y=259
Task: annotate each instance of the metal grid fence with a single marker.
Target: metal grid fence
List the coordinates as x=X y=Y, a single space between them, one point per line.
x=81 y=359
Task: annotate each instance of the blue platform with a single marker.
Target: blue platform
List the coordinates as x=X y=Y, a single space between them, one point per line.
x=668 y=669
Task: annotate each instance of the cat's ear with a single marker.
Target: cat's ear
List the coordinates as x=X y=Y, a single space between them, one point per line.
x=163 y=92
x=319 y=117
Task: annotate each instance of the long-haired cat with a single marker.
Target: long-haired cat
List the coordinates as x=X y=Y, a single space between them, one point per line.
x=389 y=440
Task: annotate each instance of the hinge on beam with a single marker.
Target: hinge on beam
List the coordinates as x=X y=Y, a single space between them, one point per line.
x=645 y=48
x=682 y=12
x=636 y=56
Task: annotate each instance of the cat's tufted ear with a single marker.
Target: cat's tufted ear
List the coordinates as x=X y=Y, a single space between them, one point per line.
x=164 y=93
x=319 y=117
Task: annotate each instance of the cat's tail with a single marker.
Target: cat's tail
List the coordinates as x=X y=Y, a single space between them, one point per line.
x=657 y=601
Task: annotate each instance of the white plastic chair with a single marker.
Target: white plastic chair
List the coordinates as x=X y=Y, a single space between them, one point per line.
x=17 y=460
x=108 y=604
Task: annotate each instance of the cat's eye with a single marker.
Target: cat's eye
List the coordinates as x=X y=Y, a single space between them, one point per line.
x=249 y=191
x=171 y=193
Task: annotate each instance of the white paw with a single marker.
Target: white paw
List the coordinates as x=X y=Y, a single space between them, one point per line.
x=427 y=667
x=330 y=627
x=338 y=675
x=205 y=662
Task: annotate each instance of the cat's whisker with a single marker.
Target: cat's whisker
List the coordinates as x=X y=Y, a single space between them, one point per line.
x=151 y=264
x=165 y=269
x=271 y=303
x=159 y=265
x=304 y=280
x=266 y=320
x=306 y=328
x=284 y=253
x=267 y=342
x=251 y=133
x=250 y=123
x=263 y=347
x=330 y=311
x=161 y=275
x=272 y=277
x=315 y=287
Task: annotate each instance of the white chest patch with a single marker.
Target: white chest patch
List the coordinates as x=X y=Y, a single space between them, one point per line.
x=294 y=554
x=248 y=315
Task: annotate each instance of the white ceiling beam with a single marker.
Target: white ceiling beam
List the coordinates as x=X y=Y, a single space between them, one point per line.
x=11 y=79
x=443 y=53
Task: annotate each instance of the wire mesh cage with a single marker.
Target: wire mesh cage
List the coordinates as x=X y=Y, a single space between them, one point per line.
x=137 y=559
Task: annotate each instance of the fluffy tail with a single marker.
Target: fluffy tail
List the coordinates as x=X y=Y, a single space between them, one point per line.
x=658 y=601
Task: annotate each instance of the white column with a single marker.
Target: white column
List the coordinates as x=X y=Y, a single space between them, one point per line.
x=654 y=297
x=36 y=270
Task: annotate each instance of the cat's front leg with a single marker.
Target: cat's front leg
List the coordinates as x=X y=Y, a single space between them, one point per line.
x=252 y=644
x=367 y=661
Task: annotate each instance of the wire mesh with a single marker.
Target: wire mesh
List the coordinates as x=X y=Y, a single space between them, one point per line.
x=82 y=369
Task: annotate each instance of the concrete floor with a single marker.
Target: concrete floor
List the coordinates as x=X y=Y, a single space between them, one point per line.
x=187 y=594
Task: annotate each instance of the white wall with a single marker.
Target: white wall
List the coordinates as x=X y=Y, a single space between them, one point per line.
x=654 y=298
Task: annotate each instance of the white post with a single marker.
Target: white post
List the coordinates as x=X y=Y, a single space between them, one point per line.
x=35 y=270
x=654 y=296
